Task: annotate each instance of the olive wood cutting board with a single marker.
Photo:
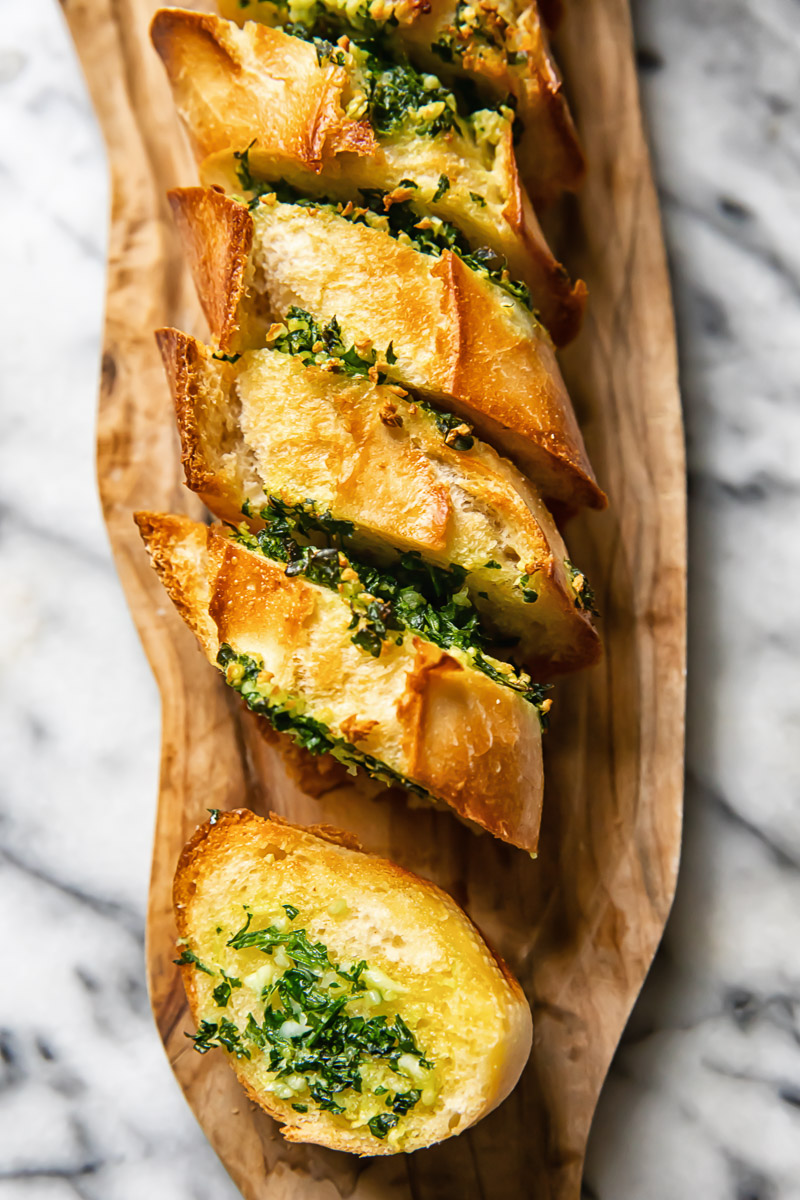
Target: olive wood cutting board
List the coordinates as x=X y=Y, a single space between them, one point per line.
x=579 y=925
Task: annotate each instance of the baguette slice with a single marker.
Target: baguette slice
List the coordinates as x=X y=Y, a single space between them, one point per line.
x=463 y=342
x=502 y=46
x=260 y=91
x=424 y=962
x=271 y=425
x=416 y=715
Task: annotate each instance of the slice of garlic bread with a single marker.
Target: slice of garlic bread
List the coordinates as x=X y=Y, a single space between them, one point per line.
x=262 y=105
x=306 y=422
x=343 y=670
x=357 y=1004
x=463 y=342
x=501 y=45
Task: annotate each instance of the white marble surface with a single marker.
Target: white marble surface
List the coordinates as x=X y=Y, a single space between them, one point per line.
x=704 y=1098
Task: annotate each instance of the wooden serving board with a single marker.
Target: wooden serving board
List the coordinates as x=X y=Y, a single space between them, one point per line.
x=580 y=925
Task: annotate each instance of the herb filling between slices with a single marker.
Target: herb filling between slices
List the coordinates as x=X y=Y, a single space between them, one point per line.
x=399 y=218
x=320 y=1027
x=245 y=674
x=323 y=345
x=412 y=596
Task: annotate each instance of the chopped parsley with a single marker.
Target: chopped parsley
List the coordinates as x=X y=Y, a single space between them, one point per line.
x=472 y=26
x=380 y=1125
x=219 y=1033
x=244 y=673
x=189 y=957
x=413 y=595
x=313 y=1042
x=316 y=344
x=442 y=187
x=400 y=219
x=398 y=95
x=222 y=992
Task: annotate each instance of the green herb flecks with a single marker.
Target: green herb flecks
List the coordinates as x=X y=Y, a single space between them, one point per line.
x=299 y=334
x=322 y=345
x=582 y=590
x=188 y=957
x=219 y=1033
x=380 y=1125
x=222 y=992
x=455 y=430
x=245 y=673
x=316 y=1046
x=472 y=25
x=398 y=95
x=413 y=595
x=429 y=234
x=529 y=594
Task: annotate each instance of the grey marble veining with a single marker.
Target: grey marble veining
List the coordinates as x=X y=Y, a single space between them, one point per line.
x=704 y=1097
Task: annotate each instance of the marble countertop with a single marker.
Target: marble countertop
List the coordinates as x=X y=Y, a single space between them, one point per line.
x=704 y=1096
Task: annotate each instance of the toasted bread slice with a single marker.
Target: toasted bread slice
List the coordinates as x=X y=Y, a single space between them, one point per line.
x=502 y=46
x=427 y=718
x=259 y=92
x=273 y=424
x=463 y=342
x=356 y=1002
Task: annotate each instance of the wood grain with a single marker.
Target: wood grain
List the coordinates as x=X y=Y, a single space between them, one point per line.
x=581 y=924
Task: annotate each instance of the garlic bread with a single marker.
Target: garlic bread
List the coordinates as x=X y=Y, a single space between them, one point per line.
x=357 y=1004
x=307 y=421
x=458 y=337
x=343 y=670
x=500 y=45
x=262 y=106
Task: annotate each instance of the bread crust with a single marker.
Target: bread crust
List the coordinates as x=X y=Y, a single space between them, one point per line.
x=468 y=741
x=236 y=842
x=488 y=360
x=262 y=83
x=549 y=150
x=261 y=90
x=303 y=433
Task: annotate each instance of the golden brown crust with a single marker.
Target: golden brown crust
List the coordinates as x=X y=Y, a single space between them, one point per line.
x=559 y=301
x=250 y=593
x=469 y=733
x=514 y=383
x=177 y=548
x=499 y=372
x=549 y=150
x=183 y=359
x=426 y=916
x=260 y=89
x=216 y=235
x=469 y=741
x=235 y=86
x=269 y=424
x=217 y=259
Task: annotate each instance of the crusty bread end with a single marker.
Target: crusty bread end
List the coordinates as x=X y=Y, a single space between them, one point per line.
x=425 y=960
